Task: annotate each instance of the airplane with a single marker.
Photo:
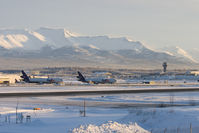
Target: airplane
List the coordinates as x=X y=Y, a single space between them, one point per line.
x=98 y=80
x=27 y=79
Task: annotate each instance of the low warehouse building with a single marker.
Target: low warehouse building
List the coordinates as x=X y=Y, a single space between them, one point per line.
x=8 y=78
x=4 y=81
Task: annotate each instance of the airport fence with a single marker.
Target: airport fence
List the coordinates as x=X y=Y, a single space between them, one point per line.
x=186 y=129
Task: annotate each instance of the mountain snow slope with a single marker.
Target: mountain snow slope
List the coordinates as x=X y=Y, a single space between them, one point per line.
x=26 y=39
x=194 y=52
x=65 y=46
x=178 y=52
x=56 y=38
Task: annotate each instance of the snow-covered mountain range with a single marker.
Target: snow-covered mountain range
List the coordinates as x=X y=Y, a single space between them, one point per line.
x=61 y=44
x=178 y=52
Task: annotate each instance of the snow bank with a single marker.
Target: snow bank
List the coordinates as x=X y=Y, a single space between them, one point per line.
x=110 y=127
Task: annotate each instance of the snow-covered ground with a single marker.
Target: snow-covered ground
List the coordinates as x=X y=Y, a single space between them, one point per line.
x=65 y=113
x=54 y=118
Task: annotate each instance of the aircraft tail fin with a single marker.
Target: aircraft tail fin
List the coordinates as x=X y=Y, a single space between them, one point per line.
x=81 y=77
x=25 y=76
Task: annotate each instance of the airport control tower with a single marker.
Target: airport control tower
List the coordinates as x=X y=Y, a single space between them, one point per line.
x=164 y=66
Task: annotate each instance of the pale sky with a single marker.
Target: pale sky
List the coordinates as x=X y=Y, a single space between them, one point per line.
x=157 y=23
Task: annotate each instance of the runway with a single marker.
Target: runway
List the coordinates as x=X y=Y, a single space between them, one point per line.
x=96 y=92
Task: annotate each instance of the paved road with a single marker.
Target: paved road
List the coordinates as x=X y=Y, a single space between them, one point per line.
x=96 y=92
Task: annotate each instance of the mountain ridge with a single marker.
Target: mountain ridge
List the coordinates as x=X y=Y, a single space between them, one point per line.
x=61 y=44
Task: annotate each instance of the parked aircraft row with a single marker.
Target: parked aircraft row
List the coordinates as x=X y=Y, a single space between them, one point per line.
x=80 y=77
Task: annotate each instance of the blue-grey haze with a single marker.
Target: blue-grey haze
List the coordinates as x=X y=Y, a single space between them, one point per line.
x=157 y=23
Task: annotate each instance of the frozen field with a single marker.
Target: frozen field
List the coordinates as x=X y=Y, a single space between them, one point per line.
x=103 y=113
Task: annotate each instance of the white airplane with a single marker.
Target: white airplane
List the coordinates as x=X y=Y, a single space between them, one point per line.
x=27 y=79
x=98 y=80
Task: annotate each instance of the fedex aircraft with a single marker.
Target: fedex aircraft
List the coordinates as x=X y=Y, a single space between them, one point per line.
x=98 y=80
x=27 y=79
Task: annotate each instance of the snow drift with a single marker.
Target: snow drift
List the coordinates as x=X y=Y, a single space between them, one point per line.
x=110 y=127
